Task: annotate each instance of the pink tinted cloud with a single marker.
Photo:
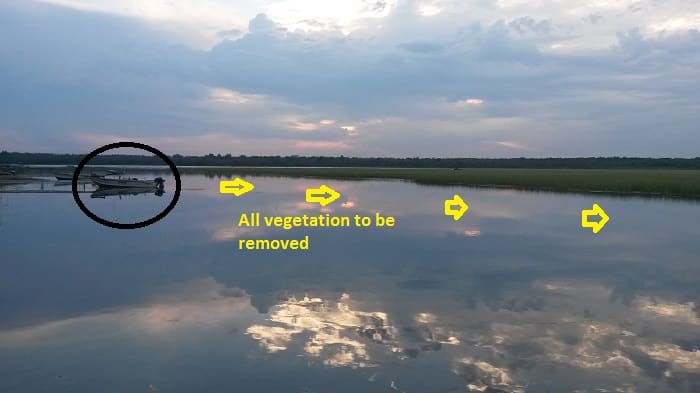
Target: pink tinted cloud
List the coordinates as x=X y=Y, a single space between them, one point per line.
x=322 y=145
x=302 y=126
x=509 y=144
x=214 y=143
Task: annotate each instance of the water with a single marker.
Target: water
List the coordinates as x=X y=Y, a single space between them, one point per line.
x=514 y=297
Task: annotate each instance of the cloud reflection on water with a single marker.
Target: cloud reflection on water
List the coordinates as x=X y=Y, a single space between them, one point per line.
x=334 y=330
x=572 y=328
x=195 y=305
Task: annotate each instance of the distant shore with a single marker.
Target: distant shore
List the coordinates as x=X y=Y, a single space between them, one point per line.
x=358 y=162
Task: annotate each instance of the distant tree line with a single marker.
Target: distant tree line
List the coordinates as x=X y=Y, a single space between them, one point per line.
x=342 y=161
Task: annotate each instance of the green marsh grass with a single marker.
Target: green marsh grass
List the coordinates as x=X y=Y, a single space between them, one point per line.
x=650 y=182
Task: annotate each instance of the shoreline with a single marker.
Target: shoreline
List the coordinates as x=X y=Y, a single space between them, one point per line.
x=654 y=183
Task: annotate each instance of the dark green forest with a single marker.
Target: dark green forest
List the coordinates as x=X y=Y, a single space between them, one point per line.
x=342 y=161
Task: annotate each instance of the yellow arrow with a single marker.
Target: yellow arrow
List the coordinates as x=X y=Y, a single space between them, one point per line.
x=596 y=226
x=455 y=207
x=236 y=186
x=323 y=195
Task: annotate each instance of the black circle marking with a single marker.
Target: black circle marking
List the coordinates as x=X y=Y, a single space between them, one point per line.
x=117 y=225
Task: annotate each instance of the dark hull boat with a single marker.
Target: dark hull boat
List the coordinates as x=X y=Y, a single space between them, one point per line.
x=69 y=177
x=154 y=184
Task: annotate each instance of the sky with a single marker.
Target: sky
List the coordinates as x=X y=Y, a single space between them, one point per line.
x=429 y=78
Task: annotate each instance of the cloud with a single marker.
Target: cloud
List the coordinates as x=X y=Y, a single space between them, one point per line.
x=448 y=84
x=322 y=145
x=261 y=24
x=231 y=96
x=218 y=143
x=470 y=101
x=421 y=47
x=350 y=130
x=676 y=24
x=429 y=9
x=301 y=126
x=508 y=144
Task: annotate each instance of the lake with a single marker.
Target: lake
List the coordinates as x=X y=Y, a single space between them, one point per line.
x=514 y=297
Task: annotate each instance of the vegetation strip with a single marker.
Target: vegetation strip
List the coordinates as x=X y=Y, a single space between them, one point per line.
x=655 y=183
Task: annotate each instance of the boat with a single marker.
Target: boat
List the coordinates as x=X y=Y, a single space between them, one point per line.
x=11 y=177
x=6 y=171
x=113 y=191
x=69 y=175
x=105 y=182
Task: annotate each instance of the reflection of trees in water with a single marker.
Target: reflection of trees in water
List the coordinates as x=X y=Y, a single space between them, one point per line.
x=3 y=205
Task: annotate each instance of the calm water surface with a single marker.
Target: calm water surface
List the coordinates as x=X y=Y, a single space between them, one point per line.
x=515 y=297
